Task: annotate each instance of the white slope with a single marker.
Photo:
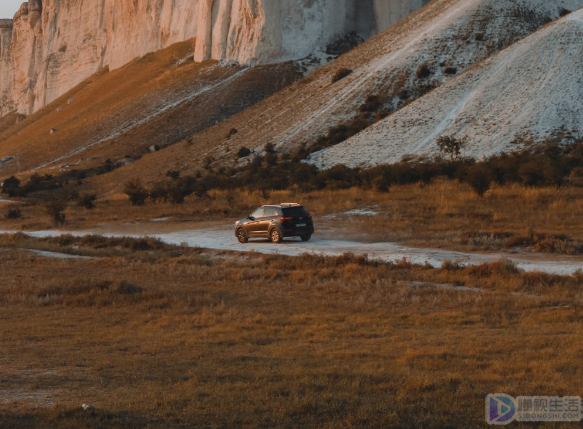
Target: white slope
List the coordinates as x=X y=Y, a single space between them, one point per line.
x=530 y=91
x=445 y=33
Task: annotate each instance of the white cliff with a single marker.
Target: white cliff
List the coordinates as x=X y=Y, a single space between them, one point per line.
x=259 y=31
x=52 y=45
x=5 y=56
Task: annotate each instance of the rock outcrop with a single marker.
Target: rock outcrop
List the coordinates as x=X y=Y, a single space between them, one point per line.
x=258 y=31
x=52 y=45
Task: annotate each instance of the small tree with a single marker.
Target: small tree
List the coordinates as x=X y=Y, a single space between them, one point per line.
x=136 y=191
x=55 y=208
x=479 y=178
x=87 y=201
x=451 y=146
x=270 y=155
x=11 y=186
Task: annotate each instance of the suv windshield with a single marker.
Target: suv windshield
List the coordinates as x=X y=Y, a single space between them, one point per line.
x=295 y=212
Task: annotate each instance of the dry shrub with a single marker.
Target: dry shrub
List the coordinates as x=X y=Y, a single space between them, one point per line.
x=314 y=353
x=94 y=293
x=341 y=74
x=504 y=267
x=448 y=265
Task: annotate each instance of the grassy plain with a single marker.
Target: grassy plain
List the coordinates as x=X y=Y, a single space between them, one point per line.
x=445 y=214
x=153 y=336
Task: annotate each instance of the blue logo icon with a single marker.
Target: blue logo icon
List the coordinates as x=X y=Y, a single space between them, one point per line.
x=500 y=409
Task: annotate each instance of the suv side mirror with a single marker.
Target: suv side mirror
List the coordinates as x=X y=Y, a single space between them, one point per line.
x=250 y=217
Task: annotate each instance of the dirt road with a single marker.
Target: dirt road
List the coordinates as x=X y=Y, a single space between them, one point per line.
x=223 y=238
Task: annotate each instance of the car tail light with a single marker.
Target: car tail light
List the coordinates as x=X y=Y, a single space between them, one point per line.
x=309 y=216
x=286 y=219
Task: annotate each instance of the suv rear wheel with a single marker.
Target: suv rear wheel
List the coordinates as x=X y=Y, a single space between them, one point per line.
x=275 y=236
x=306 y=237
x=242 y=236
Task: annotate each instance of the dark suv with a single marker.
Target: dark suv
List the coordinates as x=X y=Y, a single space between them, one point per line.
x=276 y=222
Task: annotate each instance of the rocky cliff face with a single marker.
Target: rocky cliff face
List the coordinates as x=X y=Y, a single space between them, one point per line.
x=52 y=45
x=257 y=31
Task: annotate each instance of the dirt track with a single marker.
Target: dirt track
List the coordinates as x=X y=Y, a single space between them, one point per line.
x=223 y=238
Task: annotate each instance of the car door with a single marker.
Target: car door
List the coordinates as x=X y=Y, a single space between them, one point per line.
x=268 y=216
x=254 y=224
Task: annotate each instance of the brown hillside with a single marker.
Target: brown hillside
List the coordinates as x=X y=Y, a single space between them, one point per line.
x=447 y=37
x=159 y=99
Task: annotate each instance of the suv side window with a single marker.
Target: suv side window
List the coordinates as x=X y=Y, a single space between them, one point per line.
x=257 y=213
x=270 y=212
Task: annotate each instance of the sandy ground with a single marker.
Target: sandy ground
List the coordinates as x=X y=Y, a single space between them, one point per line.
x=222 y=237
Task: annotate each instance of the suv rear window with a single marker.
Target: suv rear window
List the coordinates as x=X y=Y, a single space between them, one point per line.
x=295 y=212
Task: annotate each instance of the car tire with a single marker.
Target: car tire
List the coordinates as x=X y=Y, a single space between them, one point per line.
x=306 y=237
x=242 y=236
x=275 y=236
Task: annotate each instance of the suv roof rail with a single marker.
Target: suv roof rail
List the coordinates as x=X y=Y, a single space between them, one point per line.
x=290 y=204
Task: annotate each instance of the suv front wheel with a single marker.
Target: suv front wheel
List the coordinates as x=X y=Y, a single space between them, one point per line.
x=242 y=236
x=275 y=236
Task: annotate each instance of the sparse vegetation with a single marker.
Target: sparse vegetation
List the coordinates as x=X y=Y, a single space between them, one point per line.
x=344 y=45
x=137 y=193
x=55 y=209
x=479 y=178
x=341 y=74
x=424 y=71
x=11 y=186
x=232 y=132
x=173 y=174
x=13 y=214
x=540 y=166
x=87 y=201
x=254 y=341
x=243 y=152
x=36 y=183
x=451 y=146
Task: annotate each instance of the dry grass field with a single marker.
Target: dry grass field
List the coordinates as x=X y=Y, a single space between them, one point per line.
x=444 y=214
x=152 y=336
